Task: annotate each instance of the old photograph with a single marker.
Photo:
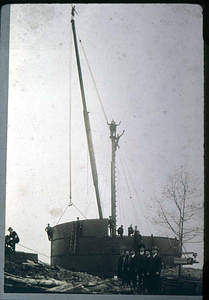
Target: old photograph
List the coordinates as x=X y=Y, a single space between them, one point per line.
x=104 y=170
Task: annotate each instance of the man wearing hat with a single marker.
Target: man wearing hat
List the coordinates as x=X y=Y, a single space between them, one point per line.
x=154 y=271
x=141 y=267
x=147 y=262
x=12 y=238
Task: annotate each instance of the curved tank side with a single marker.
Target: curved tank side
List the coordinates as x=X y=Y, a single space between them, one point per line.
x=96 y=253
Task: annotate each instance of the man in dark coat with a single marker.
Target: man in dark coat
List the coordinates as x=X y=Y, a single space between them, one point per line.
x=125 y=269
x=154 y=271
x=141 y=267
x=137 y=237
x=130 y=230
x=78 y=227
x=111 y=224
x=49 y=231
x=12 y=239
x=147 y=262
x=120 y=264
x=132 y=268
x=120 y=231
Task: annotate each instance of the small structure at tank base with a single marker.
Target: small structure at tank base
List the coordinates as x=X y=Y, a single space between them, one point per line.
x=18 y=256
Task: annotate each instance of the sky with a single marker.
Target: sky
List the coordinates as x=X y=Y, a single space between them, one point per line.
x=147 y=63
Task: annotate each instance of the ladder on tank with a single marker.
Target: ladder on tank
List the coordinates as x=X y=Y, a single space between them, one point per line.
x=73 y=238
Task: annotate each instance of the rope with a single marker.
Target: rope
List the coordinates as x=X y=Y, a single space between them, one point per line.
x=80 y=212
x=93 y=80
x=63 y=213
x=70 y=123
x=33 y=250
x=121 y=208
x=134 y=209
x=105 y=162
x=136 y=194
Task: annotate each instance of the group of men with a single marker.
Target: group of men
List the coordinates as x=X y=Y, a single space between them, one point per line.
x=120 y=229
x=131 y=231
x=11 y=240
x=141 y=271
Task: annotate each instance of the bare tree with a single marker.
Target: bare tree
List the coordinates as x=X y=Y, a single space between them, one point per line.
x=180 y=208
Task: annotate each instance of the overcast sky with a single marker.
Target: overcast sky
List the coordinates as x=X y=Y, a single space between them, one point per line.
x=147 y=61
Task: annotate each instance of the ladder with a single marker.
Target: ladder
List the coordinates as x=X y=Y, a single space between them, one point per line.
x=73 y=238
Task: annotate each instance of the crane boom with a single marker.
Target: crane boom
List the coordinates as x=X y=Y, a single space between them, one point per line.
x=87 y=121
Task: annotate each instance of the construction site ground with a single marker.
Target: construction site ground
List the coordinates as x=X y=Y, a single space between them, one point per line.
x=38 y=277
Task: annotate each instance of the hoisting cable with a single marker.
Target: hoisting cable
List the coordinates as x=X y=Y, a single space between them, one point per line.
x=62 y=214
x=33 y=250
x=70 y=126
x=93 y=79
x=104 y=167
x=134 y=209
x=121 y=208
x=80 y=211
x=136 y=193
x=105 y=179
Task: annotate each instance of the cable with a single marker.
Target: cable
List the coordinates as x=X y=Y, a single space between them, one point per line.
x=63 y=213
x=136 y=194
x=93 y=80
x=121 y=208
x=134 y=209
x=80 y=212
x=70 y=123
x=33 y=250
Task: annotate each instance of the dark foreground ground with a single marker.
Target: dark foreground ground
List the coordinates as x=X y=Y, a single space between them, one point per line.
x=31 y=277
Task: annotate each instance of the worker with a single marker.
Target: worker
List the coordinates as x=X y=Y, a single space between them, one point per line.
x=137 y=237
x=130 y=230
x=79 y=227
x=154 y=270
x=111 y=224
x=117 y=140
x=113 y=126
x=120 y=231
x=49 y=231
x=12 y=239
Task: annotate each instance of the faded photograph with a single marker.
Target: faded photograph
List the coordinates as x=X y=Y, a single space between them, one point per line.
x=105 y=175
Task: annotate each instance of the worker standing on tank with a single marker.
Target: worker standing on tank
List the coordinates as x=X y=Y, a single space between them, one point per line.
x=79 y=227
x=49 y=231
x=12 y=239
x=120 y=231
x=111 y=224
x=130 y=230
x=154 y=271
x=137 y=237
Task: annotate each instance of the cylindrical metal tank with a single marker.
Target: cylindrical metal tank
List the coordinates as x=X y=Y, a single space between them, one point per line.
x=85 y=246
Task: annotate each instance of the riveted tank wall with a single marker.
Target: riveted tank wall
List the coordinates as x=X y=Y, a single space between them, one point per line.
x=97 y=253
x=92 y=227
